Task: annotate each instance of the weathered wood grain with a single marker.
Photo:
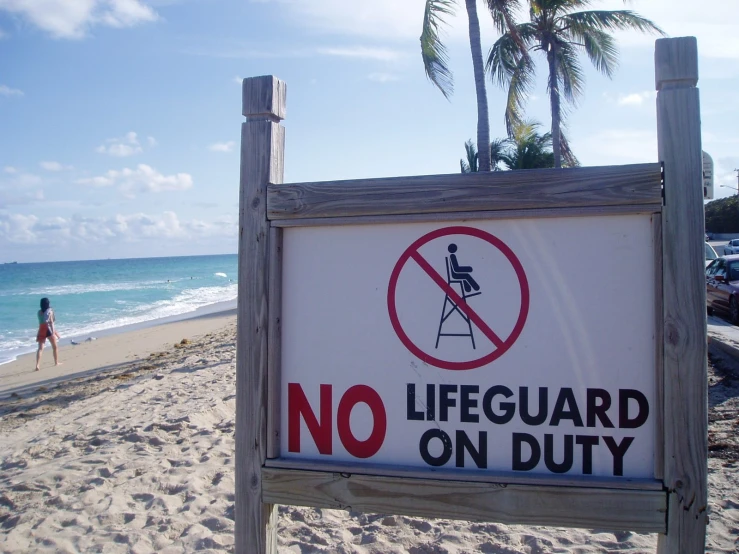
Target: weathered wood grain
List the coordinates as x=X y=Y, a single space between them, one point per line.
x=659 y=346
x=264 y=98
x=274 y=348
x=685 y=361
x=482 y=476
x=262 y=147
x=676 y=65
x=492 y=191
x=642 y=511
x=631 y=209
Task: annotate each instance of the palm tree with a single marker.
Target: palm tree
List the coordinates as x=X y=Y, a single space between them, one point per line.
x=470 y=164
x=527 y=149
x=560 y=33
x=435 y=57
x=498 y=148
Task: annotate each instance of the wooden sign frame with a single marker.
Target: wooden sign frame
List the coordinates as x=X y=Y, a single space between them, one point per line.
x=673 y=504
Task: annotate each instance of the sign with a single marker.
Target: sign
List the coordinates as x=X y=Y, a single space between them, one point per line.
x=521 y=346
x=457 y=285
x=707 y=176
x=376 y=351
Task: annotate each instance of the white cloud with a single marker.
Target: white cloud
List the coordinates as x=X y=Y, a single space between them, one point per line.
x=362 y=52
x=137 y=226
x=222 y=146
x=152 y=141
x=142 y=179
x=382 y=77
x=3 y=34
x=232 y=50
x=706 y=20
x=7 y=91
x=617 y=146
x=73 y=18
x=401 y=20
x=10 y=169
x=18 y=228
x=725 y=180
x=238 y=80
x=27 y=180
x=715 y=141
x=20 y=188
x=19 y=180
x=239 y=50
x=125 y=13
x=379 y=18
x=636 y=98
x=9 y=197
x=55 y=166
x=119 y=228
x=121 y=147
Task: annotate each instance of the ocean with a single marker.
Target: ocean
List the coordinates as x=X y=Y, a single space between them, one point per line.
x=94 y=296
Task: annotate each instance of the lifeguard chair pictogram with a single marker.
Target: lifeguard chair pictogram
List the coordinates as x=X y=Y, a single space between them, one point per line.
x=461 y=276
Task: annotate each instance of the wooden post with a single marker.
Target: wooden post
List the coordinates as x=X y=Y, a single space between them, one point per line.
x=684 y=293
x=262 y=153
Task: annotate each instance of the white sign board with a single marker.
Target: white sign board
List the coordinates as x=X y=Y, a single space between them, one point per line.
x=707 y=177
x=523 y=346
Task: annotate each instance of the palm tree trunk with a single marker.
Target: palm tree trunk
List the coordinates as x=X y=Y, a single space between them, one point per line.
x=554 y=105
x=483 y=124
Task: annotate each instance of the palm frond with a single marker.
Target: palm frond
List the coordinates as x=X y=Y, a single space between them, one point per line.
x=554 y=7
x=608 y=21
x=498 y=149
x=568 y=156
x=600 y=48
x=545 y=140
x=529 y=155
x=469 y=165
x=508 y=67
x=527 y=149
x=562 y=32
x=504 y=17
x=504 y=13
x=433 y=51
x=569 y=71
x=524 y=130
x=519 y=88
x=573 y=4
x=528 y=132
x=504 y=56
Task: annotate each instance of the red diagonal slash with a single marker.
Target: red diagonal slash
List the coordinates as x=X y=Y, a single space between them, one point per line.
x=451 y=293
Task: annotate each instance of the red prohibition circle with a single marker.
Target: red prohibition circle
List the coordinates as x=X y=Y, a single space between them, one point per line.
x=505 y=344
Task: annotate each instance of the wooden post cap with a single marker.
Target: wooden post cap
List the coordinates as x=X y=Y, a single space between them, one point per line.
x=676 y=62
x=264 y=98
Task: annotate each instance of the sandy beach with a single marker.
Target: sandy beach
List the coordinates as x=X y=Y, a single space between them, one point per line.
x=128 y=447
x=101 y=354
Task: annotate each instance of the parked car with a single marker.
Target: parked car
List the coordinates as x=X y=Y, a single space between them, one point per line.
x=722 y=287
x=732 y=247
x=710 y=254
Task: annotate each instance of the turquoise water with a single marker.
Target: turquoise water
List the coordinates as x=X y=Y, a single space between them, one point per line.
x=97 y=295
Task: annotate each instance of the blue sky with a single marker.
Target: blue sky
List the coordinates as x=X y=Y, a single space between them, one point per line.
x=120 y=119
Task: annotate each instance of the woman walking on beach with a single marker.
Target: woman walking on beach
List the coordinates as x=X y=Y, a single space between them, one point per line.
x=46 y=330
